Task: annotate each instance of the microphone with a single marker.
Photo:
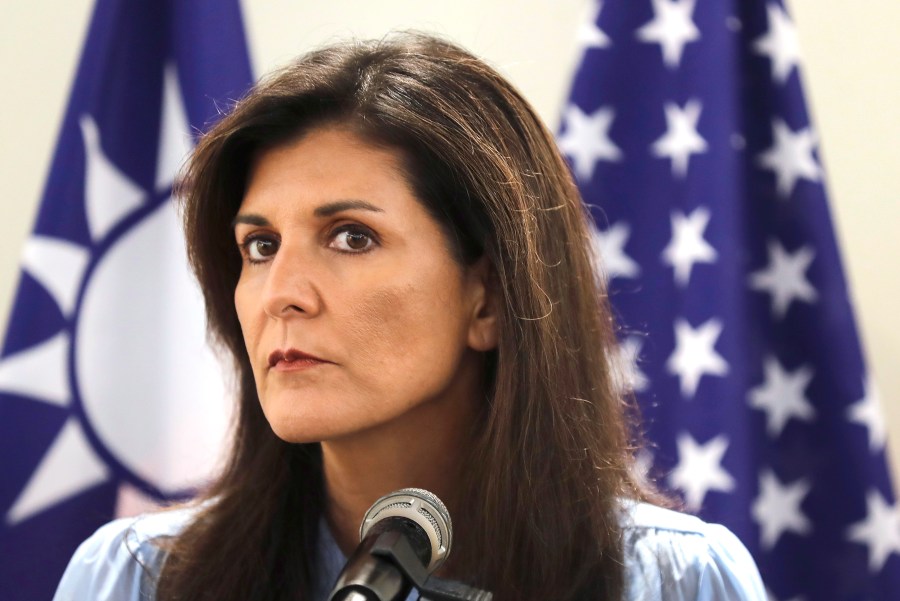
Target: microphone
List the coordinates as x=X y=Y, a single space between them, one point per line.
x=404 y=537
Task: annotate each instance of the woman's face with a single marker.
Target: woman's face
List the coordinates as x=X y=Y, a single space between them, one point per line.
x=342 y=262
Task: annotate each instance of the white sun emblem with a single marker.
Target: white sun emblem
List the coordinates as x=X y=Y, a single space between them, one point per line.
x=148 y=401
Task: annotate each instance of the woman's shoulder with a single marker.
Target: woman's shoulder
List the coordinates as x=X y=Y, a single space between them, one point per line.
x=679 y=557
x=122 y=558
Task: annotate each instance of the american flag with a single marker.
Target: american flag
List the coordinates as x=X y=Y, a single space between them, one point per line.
x=110 y=401
x=688 y=135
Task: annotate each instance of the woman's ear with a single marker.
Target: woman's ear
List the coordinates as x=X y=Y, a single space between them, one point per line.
x=484 y=295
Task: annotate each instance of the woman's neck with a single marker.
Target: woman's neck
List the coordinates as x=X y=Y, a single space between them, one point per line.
x=423 y=449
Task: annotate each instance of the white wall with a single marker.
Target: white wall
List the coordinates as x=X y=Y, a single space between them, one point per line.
x=852 y=73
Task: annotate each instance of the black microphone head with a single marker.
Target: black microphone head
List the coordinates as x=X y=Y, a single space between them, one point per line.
x=421 y=507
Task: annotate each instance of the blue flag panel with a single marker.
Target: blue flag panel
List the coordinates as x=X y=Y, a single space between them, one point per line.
x=688 y=135
x=106 y=384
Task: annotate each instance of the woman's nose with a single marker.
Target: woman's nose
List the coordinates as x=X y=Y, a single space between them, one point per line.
x=290 y=287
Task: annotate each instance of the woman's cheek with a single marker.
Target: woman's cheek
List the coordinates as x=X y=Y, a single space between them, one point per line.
x=378 y=331
x=406 y=341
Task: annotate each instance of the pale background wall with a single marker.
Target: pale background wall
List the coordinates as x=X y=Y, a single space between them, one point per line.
x=852 y=75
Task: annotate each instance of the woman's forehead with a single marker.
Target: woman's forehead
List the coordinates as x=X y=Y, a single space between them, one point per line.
x=327 y=170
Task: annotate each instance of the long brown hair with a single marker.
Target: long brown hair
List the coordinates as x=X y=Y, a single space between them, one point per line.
x=539 y=517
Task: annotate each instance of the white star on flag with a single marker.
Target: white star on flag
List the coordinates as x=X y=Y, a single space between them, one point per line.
x=586 y=139
x=643 y=467
x=780 y=43
x=589 y=33
x=791 y=157
x=781 y=396
x=631 y=376
x=784 y=278
x=671 y=28
x=681 y=138
x=694 y=355
x=687 y=245
x=867 y=412
x=609 y=248
x=700 y=470
x=880 y=530
x=777 y=508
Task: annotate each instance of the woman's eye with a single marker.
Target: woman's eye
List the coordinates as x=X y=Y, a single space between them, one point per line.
x=260 y=249
x=353 y=239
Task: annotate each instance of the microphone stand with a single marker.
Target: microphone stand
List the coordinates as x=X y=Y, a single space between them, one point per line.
x=397 y=550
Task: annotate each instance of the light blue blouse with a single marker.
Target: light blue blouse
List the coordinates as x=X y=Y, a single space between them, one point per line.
x=669 y=556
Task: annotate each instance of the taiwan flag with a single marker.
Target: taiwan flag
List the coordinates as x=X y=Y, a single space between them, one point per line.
x=111 y=402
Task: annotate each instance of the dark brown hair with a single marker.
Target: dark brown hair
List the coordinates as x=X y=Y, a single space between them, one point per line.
x=553 y=450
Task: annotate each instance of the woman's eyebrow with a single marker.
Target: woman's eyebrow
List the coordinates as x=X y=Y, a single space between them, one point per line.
x=337 y=206
x=250 y=219
x=326 y=210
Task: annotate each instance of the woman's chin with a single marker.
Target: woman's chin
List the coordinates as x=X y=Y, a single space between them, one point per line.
x=298 y=433
x=306 y=427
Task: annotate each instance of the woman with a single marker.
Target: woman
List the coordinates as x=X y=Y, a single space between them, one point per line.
x=396 y=257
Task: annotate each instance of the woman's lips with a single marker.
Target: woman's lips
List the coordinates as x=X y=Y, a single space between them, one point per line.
x=293 y=360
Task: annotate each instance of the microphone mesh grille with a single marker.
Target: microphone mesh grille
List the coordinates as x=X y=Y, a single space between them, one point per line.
x=415 y=504
x=434 y=524
x=425 y=513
